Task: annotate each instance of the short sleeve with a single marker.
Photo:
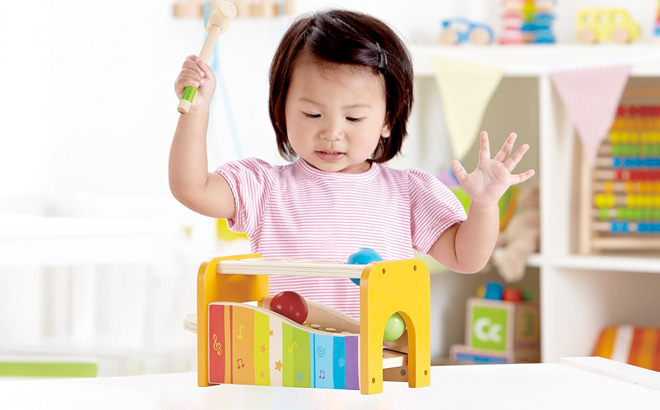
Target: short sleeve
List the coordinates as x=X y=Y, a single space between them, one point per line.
x=251 y=181
x=433 y=207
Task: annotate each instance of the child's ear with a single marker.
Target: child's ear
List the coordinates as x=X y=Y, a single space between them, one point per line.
x=385 y=131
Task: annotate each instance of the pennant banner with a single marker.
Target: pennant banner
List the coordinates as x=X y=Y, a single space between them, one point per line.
x=466 y=89
x=591 y=97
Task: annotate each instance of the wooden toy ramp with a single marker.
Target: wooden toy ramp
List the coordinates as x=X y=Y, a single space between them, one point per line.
x=245 y=344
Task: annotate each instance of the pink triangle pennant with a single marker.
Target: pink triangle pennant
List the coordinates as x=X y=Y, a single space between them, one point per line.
x=591 y=97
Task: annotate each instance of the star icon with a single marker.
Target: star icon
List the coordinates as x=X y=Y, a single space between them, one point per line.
x=270 y=333
x=278 y=365
x=262 y=374
x=263 y=349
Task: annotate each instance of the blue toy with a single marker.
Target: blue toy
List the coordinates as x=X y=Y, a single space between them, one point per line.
x=363 y=256
x=543 y=26
x=460 y=30
x=494 y=291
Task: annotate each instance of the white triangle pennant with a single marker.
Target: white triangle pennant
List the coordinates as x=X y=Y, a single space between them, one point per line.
x=466 y=89
x=591 y=96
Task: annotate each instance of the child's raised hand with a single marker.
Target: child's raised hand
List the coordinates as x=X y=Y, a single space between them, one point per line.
x=486 y=184
x=196 y=73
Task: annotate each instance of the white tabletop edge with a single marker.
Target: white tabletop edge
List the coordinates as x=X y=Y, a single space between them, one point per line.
x=618 y=370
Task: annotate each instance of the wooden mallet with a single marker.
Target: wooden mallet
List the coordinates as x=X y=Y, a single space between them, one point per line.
x=218 y=23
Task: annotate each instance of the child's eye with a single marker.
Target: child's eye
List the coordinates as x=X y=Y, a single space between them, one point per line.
x=353 y=119
x=308 y=115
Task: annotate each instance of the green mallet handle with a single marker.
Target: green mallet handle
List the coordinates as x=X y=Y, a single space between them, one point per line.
x=218 y=23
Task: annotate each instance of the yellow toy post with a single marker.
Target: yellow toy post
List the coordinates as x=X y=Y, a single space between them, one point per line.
x=214 y=287
x=387 y=288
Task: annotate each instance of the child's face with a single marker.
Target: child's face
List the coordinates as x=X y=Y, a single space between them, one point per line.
x=335 y=115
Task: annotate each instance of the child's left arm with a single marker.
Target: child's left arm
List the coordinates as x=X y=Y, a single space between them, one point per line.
x=466 y=247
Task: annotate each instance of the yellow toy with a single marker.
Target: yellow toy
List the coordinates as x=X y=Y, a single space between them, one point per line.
x=597 y=25
x=241 y=343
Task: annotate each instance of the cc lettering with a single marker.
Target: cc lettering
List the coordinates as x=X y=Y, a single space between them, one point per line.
x=486 y=331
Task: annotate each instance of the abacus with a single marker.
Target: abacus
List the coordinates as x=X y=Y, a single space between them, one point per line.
x=620 y=195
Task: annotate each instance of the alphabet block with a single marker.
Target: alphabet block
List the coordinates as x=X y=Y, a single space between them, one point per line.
x=501 y=326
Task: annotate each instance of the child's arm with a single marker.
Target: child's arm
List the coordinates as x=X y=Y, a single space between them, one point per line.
x=466 y=247
x=190 y=182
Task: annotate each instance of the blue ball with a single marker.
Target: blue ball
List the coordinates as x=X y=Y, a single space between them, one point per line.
x=363 y=256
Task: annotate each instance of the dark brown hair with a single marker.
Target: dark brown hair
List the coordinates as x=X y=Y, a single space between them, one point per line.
x=345 y=37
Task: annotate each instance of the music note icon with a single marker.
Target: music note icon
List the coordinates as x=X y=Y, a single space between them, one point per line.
x=216 y=345
x=290 y=350
x=240 y=332
x=240 y=363
x=322 y=374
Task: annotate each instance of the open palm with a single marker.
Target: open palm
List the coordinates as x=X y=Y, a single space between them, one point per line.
x=492 y=177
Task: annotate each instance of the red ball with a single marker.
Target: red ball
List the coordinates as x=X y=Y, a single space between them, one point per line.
x=512 y=295
x=290 y=305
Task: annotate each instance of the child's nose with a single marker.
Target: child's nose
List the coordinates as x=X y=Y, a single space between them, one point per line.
x=332 y=131
x=331 y=136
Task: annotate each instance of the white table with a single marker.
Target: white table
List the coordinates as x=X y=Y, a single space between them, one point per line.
x=579 y=383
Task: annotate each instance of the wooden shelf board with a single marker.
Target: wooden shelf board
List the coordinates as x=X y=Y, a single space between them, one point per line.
x=619 y=263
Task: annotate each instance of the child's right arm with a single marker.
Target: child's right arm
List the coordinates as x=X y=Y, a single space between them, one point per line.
x=190 y=182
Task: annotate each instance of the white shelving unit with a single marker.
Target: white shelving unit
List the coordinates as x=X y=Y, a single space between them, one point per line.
x=579 y=294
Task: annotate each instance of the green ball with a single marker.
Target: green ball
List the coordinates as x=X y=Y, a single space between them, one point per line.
x=394 y=328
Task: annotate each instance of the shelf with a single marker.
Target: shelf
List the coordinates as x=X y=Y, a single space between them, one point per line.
x=579 y=294
x=610 y=263
x=534 y=260
x=534 y=60
x=636 y=263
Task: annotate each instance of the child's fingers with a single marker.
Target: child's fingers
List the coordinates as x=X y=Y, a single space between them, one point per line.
x=182 y=82
x=187 y=81
x=459 y=171
x=191 y=74
x=511 y=163
x=207 y=72
x=188 y=77
x=503 y=154
x=191 y=64
x=484 y=148
x=518 y=178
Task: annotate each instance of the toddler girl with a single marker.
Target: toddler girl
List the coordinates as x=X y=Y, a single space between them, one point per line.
x=341 y=91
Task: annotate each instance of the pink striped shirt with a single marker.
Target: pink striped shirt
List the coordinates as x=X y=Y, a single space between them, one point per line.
x=297 y=211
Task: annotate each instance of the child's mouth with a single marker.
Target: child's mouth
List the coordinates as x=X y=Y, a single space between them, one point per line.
x=330 y=156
